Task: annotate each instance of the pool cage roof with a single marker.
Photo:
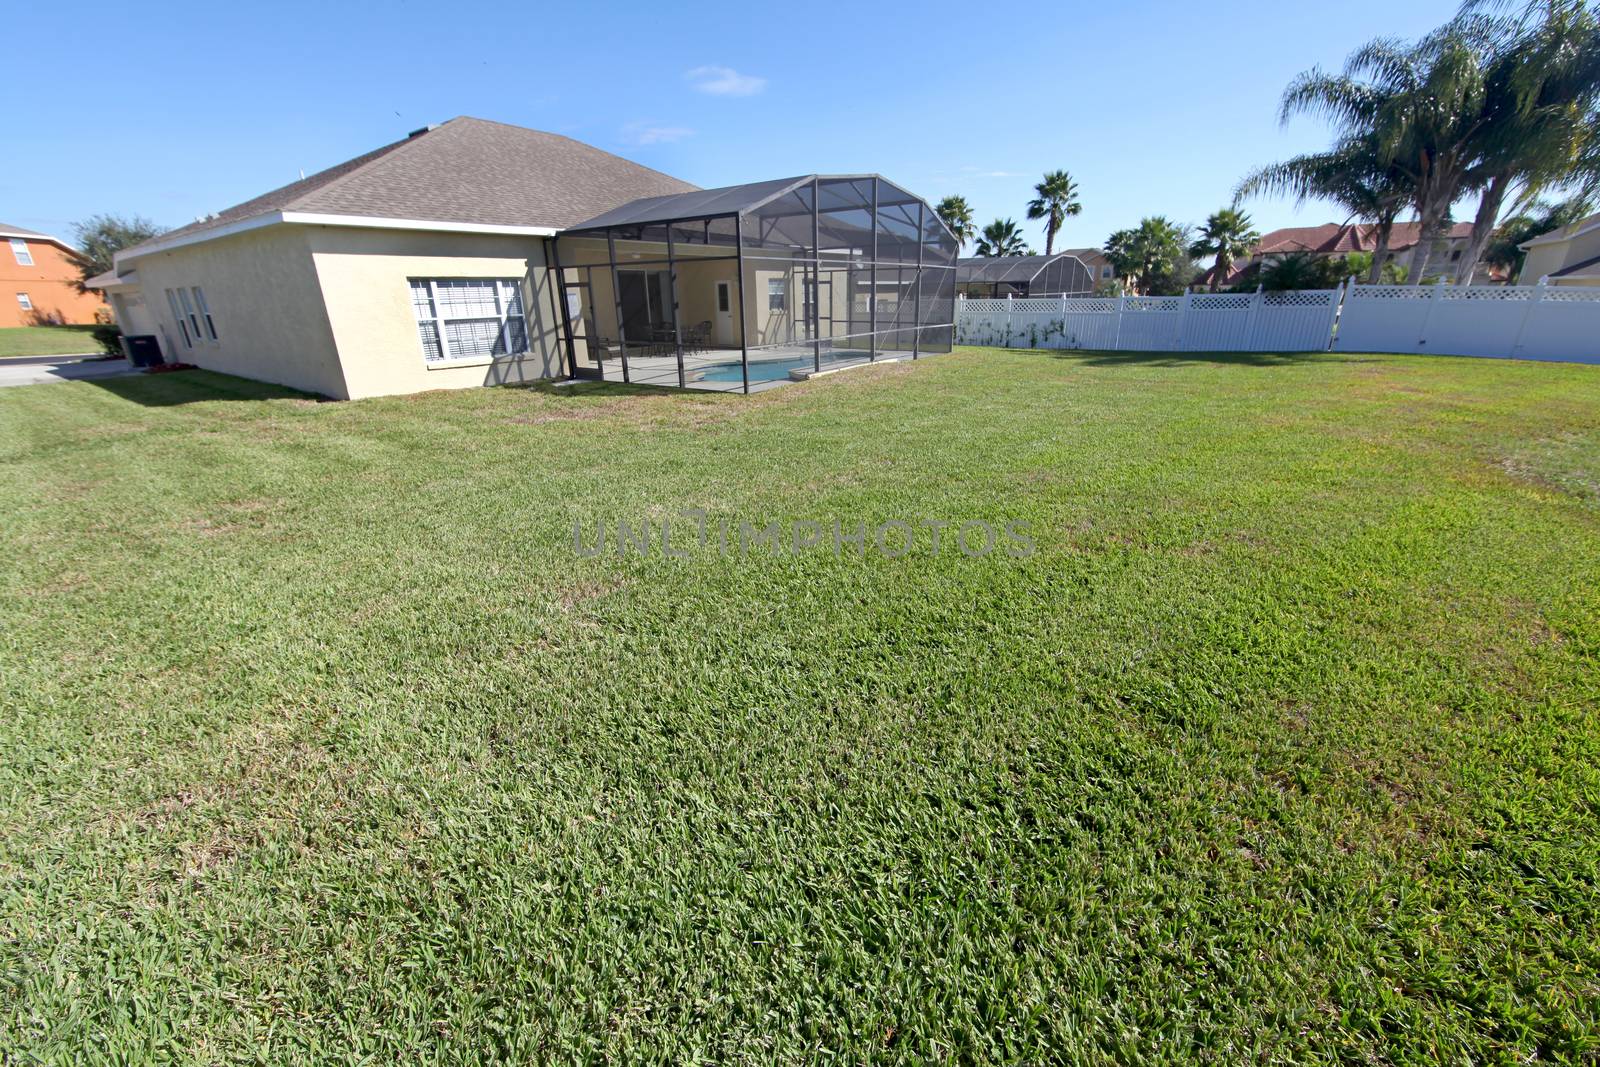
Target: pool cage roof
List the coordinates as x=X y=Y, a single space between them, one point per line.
x=851 y=267
x=1063 y=267
x=767 y=199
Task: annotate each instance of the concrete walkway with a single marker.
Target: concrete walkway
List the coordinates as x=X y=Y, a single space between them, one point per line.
x=33 y=370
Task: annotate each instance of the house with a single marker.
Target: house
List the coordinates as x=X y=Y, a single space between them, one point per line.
x=1001 y=276
x=38 y=282
x=1566 y=256
x=476 y=253
x=1334 y=239
x=1093 y=258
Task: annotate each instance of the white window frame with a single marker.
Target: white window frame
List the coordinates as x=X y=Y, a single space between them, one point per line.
x=25 y=302
x=183 y=327
x=503 y=289
x=20 y=249
x=188 y=309
x=205 y=312
x=778 y=290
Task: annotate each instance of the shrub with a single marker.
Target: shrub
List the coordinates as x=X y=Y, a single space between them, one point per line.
x=109 y=338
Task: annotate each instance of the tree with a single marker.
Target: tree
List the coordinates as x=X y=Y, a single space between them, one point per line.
x=1002 y=238
x=1538 y=218
x=1501 y=106
x=1419 y=106
x=101 y=237
x=1057 y=199
x=1154 y=257
x=1540 y=121
x=957 y=215
x=1301 y=270
x=1228 y=236
x=1353 y=175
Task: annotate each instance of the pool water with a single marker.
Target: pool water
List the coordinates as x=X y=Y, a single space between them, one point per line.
x=767 y=370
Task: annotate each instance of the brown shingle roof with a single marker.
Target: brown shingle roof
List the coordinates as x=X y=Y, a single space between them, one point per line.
x=465 y=170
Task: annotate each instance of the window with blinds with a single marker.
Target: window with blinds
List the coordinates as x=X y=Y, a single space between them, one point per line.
x=469 y=318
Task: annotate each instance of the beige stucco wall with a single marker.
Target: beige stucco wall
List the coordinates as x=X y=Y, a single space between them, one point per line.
x=1548 y=258
x=696 y=292
x=364 y=278
x=264 y=298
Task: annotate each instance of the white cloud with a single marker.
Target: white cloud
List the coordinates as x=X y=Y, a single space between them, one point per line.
x=725 y=81
x=644 y=133
x=974 y=172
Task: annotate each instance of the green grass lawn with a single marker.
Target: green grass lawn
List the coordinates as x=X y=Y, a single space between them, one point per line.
x=46 y=341
x=322 y=742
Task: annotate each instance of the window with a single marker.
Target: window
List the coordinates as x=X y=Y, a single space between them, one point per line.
x=775 y=294
x=722 y=297
x=177 y=316
x=24 y=301
x=19 y=248
x=1105 y=271
x=1455 y=255
x=469 y=318
x=188 y=311
x=205 y=312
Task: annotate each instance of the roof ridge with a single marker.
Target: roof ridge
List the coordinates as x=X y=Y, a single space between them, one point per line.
x=573 y=140
x=374 y=157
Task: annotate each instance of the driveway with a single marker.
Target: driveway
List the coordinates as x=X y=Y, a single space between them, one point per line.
x=35 y=369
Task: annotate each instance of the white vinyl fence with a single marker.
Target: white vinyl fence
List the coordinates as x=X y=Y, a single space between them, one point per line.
x=1519 y=322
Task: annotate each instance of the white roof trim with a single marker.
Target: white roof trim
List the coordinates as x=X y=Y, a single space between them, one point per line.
x=1556 y=236
x=8 y=234
x=303 y=218
x=380 y=222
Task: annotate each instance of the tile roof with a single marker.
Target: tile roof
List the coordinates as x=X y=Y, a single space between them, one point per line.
x=1332 y=238
x=465 y=170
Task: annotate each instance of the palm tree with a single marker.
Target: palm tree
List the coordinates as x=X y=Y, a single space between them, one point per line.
x=1353 y=175
x=1420 y=106
x=1504 y=248
x=1154 y=257
x=1227 y=235
x=1057 y=199
x=1002 y=238
x=957 y=215
x=1540 y=119
x=1300 y=270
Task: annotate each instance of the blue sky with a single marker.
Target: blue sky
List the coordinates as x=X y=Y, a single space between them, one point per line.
x=1157 y=108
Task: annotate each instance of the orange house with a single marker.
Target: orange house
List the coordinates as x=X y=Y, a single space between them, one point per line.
x=37 y=276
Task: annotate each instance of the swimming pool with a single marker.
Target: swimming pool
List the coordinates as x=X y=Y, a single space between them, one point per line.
x=766 y=370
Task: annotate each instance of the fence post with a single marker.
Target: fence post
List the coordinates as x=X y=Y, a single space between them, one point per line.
x=1336 y=300
x=1116 y=342
x=1183 y=322
x=1250 y=322
x=1427 y=316
x=1527 y=313
x=1010 y=319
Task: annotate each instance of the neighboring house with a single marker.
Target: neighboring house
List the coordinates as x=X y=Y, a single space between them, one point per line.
x=38 y=281
x=1002 y=276
x=1568 y=256
x=1096 y=261
x=1333 y=239
x=432 y=263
